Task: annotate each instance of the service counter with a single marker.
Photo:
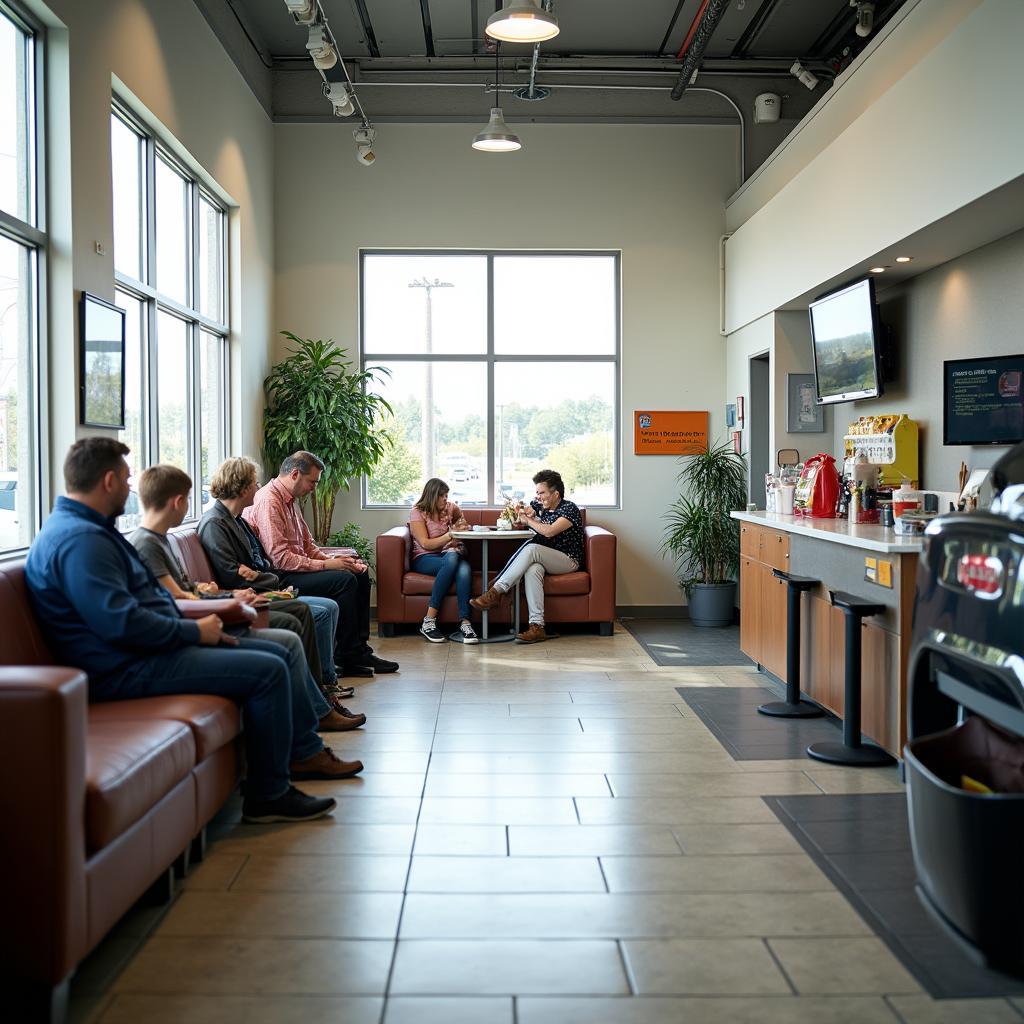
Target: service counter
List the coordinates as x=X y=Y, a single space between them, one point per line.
x=868 y=561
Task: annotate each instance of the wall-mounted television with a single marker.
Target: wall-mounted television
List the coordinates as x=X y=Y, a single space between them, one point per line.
x=846 y=342
x=983 y=400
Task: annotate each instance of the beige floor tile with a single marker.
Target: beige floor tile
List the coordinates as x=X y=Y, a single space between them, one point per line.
x=852 y=780
x=481 y=763
x=736 y=839
x=365 y=742
x=328 y=836
x=322 y=874
x=785 y=765
x=217 y=871
x=696 y=1010
x=451 y=1010
x=923 y=1009
x=617 y=693
x=516 y=784
x=728 y=967
x=760 y=873
x=206 y=1009
x=842 y=966
x=691 y=742
x=387 y=762
x=530 y=726
x=608 y=709
x=350 y=915
x=440 y=810
x=505 y=967
x=476 y=712
x=461 y=840
x=629 y=915
x=419 y=723
x=711 y=784
x=674 y=810
x=364 y=810
x=592 y=840
x=676 y=724
x=247 y=966
x=505 y=874
x=378 y=784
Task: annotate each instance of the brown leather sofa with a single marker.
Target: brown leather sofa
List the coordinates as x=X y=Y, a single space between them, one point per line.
x=403 y=596
x=98 y=802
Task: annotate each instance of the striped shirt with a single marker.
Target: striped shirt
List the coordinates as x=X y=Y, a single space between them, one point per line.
x=276 y=519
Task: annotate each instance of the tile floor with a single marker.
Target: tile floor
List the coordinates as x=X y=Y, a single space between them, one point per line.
x=543 y=835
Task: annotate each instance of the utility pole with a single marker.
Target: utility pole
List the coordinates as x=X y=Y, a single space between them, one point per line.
x=429 y=448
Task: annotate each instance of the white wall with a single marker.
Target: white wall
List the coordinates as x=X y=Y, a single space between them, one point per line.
x=167 y=57
x=656 y=193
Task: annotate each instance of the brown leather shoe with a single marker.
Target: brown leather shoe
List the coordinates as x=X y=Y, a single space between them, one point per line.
x=489 y=598
x=324 y=765
x=533 y=635
x=340 y=719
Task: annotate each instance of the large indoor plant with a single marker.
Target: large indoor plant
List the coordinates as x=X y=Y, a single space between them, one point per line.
x=316 y=401
x=702 y=537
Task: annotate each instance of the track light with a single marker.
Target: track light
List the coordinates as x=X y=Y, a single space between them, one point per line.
x=865 y=17
x=522 y=21
x=320 y=48
x=497 y=137
x=365 y=138
x=806 y=77
x=340 y=98
x=303 y=11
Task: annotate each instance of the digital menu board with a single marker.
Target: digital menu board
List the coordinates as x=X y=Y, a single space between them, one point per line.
x=984 y=400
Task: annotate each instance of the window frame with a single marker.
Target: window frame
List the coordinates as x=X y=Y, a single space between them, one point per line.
x=31 y=234
x=491 y=358
x=156 y=302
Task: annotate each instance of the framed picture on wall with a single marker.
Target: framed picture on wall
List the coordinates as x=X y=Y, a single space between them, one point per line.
x=803 y=414
x=737 y=442
x=730 y=415
x=101 y=347
x=739 y=410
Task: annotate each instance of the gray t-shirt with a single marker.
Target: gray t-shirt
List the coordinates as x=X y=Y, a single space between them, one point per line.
x=156 y=551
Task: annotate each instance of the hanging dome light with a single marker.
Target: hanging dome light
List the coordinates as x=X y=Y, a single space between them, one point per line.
x=497 y=137
x=522 y=21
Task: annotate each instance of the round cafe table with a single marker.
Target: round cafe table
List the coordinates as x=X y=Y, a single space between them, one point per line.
x=484 y=537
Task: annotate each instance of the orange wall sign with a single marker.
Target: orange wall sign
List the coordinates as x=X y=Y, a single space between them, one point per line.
x=669 y=433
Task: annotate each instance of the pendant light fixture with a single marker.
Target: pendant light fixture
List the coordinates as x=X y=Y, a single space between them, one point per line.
x=522 y=21
x=496 y=136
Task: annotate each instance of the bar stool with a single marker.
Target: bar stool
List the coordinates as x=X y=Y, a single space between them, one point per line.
x=852 y=751
x=792 y=706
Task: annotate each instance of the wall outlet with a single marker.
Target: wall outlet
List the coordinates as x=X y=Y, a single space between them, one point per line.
x=101 y=249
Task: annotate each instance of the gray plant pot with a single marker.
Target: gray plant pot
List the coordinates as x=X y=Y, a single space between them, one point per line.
x=711 y=604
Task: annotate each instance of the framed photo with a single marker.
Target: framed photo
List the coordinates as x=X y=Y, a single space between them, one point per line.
x=101 y=327
x=803 y=414
x=730 y=415
x=739 y=411
x=737 y=442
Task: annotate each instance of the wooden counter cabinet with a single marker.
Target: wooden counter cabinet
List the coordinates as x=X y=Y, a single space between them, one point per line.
x=763 y=597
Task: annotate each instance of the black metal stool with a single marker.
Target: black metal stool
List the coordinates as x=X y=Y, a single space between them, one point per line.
x=852 y=751
x=792 y=706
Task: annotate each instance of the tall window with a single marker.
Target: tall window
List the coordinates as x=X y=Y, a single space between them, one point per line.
x=22 y=255
x=497 y=365
x=170 y=260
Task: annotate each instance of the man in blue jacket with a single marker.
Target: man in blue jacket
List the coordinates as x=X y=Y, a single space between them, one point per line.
x=102 y=611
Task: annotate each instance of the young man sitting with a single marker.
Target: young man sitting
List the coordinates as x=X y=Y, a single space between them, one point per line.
x=102 y=611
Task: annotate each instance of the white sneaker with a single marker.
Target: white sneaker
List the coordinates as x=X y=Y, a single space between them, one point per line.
x=468 y=634
x=432 y=633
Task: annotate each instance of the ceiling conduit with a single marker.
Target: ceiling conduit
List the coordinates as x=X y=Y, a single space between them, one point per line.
x=697 y=39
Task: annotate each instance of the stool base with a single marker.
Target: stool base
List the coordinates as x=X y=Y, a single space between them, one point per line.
x=868 y=755
x=783 y=709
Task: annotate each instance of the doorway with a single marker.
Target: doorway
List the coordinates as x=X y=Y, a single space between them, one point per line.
x=758 y=440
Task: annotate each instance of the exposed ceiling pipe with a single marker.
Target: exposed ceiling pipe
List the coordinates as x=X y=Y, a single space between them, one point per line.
x=697 y=40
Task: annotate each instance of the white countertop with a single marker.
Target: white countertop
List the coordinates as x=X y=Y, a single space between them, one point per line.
x=867 y=535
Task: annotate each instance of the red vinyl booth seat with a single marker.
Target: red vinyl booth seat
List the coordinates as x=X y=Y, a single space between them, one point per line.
x=586 y=596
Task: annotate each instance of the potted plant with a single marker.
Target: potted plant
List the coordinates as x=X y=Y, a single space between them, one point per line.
x=700 y=535
x=316 y=402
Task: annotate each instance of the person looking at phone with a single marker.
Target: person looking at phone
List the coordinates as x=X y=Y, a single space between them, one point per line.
x=164 y=495
x=101 y=610
x=435 y=552
x=556 y=549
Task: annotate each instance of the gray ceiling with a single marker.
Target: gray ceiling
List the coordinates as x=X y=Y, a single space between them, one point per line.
x=613 y=60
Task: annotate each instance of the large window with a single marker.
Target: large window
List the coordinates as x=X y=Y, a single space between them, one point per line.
x=497 y=365
x=22 y=254
x=170 y=260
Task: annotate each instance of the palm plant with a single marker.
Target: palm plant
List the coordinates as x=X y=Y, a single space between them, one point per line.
x=316 y=402
x=699 y=534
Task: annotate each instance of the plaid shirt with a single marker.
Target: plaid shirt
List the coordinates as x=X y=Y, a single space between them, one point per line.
x=275 y=518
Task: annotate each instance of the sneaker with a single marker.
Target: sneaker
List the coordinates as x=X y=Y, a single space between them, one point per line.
x=468 y=634
x=294 y=805
x=338 y=692
x=340 y=719
x=432 y=633
x=533 y=635
x=324 y=765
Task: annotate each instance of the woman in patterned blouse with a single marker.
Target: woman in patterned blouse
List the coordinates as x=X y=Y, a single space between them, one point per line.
x=557 y=549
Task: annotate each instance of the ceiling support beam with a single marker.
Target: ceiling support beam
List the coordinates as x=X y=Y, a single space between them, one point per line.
x=364 y=20
x=428 y=32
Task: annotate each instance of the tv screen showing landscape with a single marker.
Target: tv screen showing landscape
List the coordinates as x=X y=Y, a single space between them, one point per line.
x=843 y=334
x=984 y=403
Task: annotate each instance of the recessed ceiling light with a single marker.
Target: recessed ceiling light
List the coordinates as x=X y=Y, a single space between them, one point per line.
x=878 y=270
x=904 y=259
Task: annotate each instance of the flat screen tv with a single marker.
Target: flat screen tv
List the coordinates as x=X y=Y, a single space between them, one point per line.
x=983 y=401
x=846 y=341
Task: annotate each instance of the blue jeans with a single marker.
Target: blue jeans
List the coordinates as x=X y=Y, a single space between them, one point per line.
x=444 y=567
x=325 y=619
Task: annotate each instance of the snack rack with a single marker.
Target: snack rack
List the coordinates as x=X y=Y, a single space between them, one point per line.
x=888 y=441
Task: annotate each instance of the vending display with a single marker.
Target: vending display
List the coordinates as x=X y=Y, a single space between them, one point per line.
x=890 y=442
